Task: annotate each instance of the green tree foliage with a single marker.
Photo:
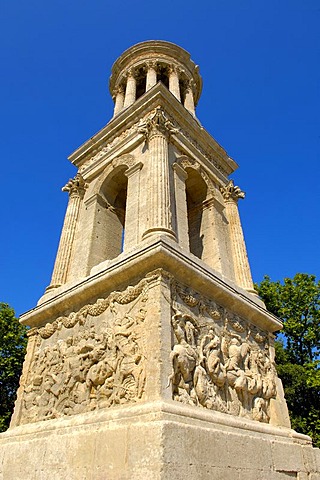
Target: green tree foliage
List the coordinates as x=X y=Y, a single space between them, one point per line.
x=297 y=303
x=12 y=350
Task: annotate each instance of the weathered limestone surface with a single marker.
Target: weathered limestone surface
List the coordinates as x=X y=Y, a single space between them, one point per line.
x=150 y=356
x=157 y=441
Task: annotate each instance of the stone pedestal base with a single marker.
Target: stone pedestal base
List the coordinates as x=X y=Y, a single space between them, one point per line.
x=158 y=440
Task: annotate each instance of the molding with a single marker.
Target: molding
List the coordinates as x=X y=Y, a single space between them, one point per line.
x=156 y=252
x=122 y=128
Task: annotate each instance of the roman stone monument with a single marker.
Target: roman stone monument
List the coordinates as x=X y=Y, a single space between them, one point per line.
x=150 y=355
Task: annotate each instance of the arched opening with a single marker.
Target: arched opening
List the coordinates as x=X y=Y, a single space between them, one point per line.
x=114 y=198
x=196 y=193
x=183 y=90
x=141 y=79
x=162 y=75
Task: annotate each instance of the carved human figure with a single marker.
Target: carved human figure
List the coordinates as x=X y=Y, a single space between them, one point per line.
x=234 y=355
x=183 y=356
x=253 y=373
x=203 y=390
x=210 y=349
x=269 y=378
x=259 y=412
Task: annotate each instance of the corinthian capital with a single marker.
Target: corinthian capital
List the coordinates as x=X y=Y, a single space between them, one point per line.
x=75 y=187
x=152 y=64
x=131 y=72
x=231 y=192
x=117 y=90
x=156 y=123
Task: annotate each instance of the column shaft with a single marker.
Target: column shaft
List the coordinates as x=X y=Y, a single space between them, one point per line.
x=130 y=95
x=118 y=106
x=151 y=76
x=189 y=101
x=239 y=252
x=159 y=215
x=174 y=86
x=75 y=188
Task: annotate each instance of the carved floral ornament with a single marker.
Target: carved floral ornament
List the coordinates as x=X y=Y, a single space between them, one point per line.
x=106 y=147
x=157 y=65
x=76 y=186
x=231 y=192
x=90 y=365
x=142 y=127
x=156 y=123
x=187 y=162
x=95 y=309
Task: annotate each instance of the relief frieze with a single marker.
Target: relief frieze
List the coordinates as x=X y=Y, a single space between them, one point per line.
x=91 y=359
x=219 y=360
x=105 y=147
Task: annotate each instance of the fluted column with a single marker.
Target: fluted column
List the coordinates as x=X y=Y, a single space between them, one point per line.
x=157 y=129
x=174 y=86
x=76 y=189
x=189 y=100
x=131 y=87
x=119 y=100
x=242 y=272
x=151 y=75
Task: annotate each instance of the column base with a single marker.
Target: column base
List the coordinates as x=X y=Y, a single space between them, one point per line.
x=151 y=232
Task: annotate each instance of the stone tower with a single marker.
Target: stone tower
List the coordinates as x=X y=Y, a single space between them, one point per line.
x=150 y=355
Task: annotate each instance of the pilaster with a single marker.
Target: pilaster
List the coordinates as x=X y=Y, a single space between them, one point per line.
x=180 y=177
x=211 y=245
x=131 y=232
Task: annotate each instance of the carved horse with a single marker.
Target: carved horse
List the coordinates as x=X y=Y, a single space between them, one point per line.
x=183 y=360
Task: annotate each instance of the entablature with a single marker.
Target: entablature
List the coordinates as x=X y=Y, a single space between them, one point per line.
x=121 y=135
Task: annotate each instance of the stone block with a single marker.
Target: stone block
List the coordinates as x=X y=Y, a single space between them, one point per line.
x=287 y=457
x=202 y=447
x=317 y=458
x=249 y=452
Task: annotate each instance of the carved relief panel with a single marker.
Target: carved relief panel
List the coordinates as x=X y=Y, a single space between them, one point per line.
x=91 y=359
x=218 y=360
x=107 y=354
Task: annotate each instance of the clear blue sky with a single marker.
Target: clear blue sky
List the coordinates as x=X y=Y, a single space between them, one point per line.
x=260 y=64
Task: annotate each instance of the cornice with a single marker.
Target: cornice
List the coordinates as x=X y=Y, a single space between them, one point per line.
x=159 y=252
x=156 y=50
x=125 y=125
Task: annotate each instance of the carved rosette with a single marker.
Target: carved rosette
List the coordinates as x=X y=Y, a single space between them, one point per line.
x=219 y=360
